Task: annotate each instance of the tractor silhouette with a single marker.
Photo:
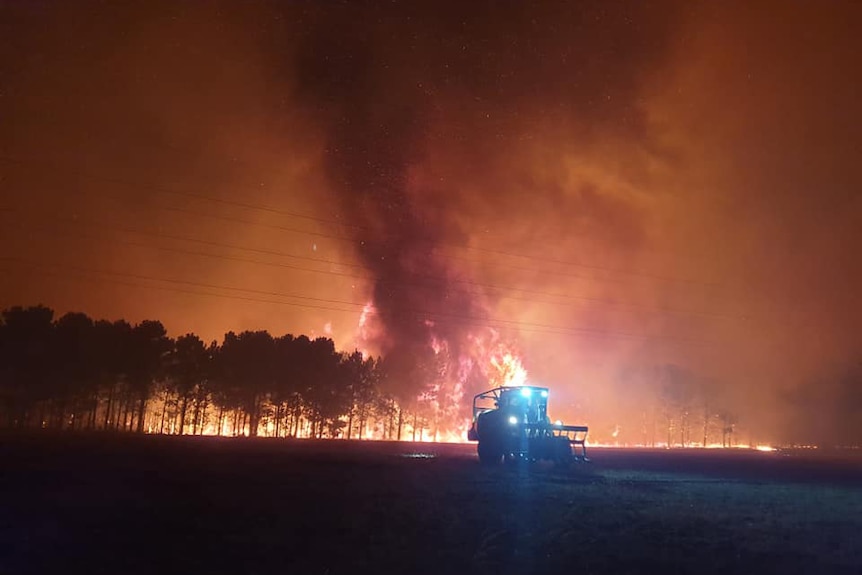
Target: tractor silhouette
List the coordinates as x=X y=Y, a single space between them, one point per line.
x=511 y=423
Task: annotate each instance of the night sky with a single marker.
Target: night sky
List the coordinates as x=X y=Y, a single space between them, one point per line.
x=607 y=186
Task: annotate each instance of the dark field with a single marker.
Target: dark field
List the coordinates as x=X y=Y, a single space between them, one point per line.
x=203 y=505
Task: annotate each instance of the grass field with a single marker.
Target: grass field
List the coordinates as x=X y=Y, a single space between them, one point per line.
x=205 y=505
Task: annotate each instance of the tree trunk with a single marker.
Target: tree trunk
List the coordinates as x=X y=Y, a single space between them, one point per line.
x=203 y=423
x=682 y=432
x=277 y=419
x=400 y=422
x=350 y=425
x=253 y=418
x=117 y=413
x=415 y=420
x=91 y=425
x=109 y=407
x=142 y=407
x=652 y=437
x=183 y=407
x=125 y=414
x=669 y=430
x=196 y=416
x=164 y=411
x=295 y=432
x=705 y=429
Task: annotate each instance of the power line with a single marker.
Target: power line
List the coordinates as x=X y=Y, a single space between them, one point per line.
x=80 y=275
x=205 y=254
x=173 y=148
x=204 y=197
x=468 y=320
x=185 y=194
x=593 y=300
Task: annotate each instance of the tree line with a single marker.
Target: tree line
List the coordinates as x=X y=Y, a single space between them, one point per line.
x=677 y=408
x=74 y=372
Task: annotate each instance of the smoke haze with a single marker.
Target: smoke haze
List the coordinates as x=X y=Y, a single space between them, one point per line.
x=610 y=188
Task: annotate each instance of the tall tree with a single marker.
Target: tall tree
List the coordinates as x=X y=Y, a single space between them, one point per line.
x=146 y=355
x=247 y=366
x=292 y=382
x=363 y=376
x=327 y=395
x=26 y=345
x=406 y=374
x=677 y=390
x=111 y=345
x=187 y=370
x=76 y=370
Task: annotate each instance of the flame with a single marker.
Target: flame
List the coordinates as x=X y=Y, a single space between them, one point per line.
x=364 y=329
x=367 y=310
x=509 y=370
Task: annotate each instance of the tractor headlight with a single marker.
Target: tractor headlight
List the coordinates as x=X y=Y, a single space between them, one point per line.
x=544 y=393
x=558 y=423
x=513 y=420
x=526 y=391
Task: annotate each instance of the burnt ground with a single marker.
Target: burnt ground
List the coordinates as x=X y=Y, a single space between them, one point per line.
x=102 y=504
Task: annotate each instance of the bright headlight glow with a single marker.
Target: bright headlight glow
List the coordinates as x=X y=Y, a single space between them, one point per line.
x=526 y=391
x=544 y=393
x=558 y=422
x=513 y=420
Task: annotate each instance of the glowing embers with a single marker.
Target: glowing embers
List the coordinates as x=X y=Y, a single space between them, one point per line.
x=418 y=455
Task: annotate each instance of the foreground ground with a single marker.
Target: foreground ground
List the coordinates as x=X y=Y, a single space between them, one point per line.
x=204 y=505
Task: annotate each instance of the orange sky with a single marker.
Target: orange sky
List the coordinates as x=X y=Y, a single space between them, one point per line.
x=616 y=186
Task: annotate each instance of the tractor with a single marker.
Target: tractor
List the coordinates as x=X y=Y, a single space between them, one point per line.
x=511 y=424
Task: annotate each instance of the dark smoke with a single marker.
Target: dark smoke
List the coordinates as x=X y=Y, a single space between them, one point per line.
x=385 y=83
x=376 y=121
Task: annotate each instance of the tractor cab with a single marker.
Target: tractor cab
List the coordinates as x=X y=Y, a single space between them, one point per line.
x=528 y=404
x=516 y=405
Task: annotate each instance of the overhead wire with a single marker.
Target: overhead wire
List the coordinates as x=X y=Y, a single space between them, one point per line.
x=247 y=205
x=439 y=282
x=496 y=323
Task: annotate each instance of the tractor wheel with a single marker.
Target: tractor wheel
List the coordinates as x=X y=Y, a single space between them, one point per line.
x=489 y=453
x=563 y=454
